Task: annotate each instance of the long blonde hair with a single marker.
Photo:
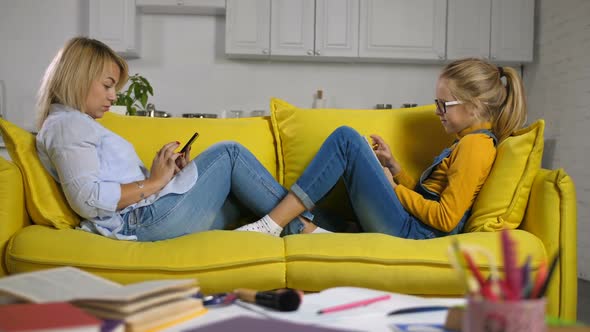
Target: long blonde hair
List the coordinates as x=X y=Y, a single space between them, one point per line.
x=479 y=83
x=68 y=78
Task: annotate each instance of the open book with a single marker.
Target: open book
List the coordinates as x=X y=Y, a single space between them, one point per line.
x=143 y=305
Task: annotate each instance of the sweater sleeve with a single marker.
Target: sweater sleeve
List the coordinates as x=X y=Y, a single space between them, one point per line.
x=469 y=165
x=404 y=179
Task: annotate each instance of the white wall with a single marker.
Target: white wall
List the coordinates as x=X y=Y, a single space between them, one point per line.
x=31 y=32
x=182 y=56
x=558 y=85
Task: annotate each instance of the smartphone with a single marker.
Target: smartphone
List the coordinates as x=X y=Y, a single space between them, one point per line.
x=188 y=144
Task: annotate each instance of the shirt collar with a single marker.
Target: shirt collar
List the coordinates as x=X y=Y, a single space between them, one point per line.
x=470 y=129
x=60 y=108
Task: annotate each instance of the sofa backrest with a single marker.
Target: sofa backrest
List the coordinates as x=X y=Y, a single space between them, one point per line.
x=148 y=135
x=415 y=135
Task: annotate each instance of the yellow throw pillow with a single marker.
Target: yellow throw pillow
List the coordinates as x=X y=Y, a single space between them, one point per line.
x=45 y=202
x=503 y=198
x=148 y=135
x=300 y=132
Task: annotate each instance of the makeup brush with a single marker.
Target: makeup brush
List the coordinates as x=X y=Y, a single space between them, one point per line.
x=281 y=299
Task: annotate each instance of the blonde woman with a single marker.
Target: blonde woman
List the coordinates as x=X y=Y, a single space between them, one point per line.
x=104 y=180
x=474 y=104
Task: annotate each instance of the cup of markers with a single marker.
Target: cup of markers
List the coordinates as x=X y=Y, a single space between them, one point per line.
x=507 y=316
x=516 y=302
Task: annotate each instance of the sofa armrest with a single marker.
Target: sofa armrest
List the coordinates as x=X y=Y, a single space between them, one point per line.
x=13 y=215
x=551 y=216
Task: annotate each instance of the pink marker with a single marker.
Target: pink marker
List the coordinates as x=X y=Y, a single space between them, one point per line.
x=355 y=304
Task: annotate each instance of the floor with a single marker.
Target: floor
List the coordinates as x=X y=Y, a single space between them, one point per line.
x=584 y=301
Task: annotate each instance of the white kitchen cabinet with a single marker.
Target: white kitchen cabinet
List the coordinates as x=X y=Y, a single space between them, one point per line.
x=292 y=28
x=314 y=28
x=247 y=28
x=336 y=28
x=468 y=31
x=499 y=30
x=114 y=22
x=403 y=29
x=183 y=7
x=513 y=29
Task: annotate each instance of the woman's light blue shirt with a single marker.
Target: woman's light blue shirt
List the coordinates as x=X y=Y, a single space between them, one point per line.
x=91 y=163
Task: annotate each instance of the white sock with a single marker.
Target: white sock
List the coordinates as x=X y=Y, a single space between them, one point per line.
x=264 y=225
x=320 y=230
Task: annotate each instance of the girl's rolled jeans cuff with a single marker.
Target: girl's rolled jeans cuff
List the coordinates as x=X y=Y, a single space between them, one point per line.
x=303 y=197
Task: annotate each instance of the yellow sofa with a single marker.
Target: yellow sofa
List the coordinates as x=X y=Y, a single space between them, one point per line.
x=284 y=142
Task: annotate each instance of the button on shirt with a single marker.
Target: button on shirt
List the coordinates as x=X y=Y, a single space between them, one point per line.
x=91 y=162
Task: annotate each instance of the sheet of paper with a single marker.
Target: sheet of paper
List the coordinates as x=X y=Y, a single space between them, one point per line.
x=312 y=303
x=373 y=323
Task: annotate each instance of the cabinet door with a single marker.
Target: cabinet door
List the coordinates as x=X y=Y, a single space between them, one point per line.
x=512 y=30
x=336 y=28
x=468 y=28
x=403 y=29
x=292 y=27
x=114 y=23
x=247 y=27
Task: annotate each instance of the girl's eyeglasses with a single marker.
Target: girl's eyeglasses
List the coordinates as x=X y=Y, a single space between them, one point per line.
x=441 y=106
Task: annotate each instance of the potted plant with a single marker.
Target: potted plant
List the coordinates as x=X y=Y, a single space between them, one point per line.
x=136 y=96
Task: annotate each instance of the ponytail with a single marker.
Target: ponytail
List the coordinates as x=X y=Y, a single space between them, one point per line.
x=512 y=114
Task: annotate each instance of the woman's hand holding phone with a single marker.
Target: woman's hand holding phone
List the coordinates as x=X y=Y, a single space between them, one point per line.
x=164 y=164
x=185 y=154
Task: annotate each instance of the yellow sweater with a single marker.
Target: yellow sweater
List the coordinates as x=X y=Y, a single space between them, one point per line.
x=457 y=180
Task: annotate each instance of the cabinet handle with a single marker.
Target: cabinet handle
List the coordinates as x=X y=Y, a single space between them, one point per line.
x=180 y=2
x=317 y=53
x=265 y=51
x=309 y=52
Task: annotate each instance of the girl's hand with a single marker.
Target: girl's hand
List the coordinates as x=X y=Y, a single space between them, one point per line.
x=183 y=160
x=384 y=155
x=164 y=165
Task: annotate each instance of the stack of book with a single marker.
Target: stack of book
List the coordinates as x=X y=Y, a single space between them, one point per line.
x=144 y=306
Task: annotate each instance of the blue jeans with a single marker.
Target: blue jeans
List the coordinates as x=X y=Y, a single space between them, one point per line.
x=345 y=154
x=229 y=175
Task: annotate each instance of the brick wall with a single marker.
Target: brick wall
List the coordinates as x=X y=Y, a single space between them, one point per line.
x=558 y=85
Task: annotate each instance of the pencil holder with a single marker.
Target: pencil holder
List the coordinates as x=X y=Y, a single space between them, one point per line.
x=506 y=316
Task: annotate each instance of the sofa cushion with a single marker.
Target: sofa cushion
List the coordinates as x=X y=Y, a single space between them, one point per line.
x=148 y=135
x=220 y=260
x=45 y=202
x=503 y=198
x=379 y=261
x=300 y=133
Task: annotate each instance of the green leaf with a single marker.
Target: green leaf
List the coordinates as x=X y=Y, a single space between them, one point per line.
x=136 y=95
x=137 y=92
x=144 y=99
